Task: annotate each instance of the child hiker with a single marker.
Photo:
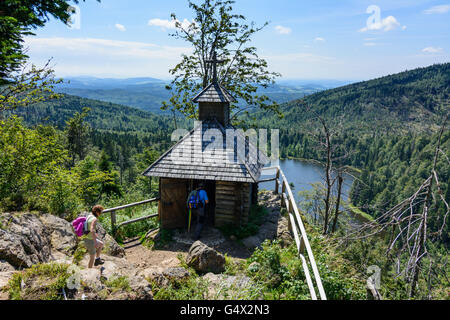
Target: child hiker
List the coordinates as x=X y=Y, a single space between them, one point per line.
x=93 y=245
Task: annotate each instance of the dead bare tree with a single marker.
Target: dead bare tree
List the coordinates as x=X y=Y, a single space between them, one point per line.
x=325 y=142
x=407 y=224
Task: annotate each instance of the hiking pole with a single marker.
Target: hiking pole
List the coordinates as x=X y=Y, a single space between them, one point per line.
x=189 y=223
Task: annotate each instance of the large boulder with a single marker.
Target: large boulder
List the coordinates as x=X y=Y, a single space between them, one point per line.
x=140 y=288
x=221 y=286
x=62 y=235
x=90 y=278
x=5 y=276
x=24 y=241
x=165 y=276
x=205 y=259
x=5 y=266
x=252 y=242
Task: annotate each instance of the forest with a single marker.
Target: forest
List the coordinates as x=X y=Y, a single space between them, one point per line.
x=61 y=154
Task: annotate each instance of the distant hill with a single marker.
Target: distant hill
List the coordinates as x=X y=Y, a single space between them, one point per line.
x=407 y=98
x=103 y=115
x=87 y=82
x=149 y=93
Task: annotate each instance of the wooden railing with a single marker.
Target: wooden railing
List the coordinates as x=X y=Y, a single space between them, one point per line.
x=115 y=227
x=298 y=229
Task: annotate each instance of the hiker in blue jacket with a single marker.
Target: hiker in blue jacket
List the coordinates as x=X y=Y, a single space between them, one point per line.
x=200 y=209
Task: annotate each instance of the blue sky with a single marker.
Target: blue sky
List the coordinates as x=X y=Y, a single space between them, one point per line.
x=320 y=39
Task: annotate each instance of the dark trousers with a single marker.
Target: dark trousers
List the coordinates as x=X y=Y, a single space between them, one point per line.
x=201 y=219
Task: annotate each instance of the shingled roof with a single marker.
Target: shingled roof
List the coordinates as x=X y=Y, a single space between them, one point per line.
x=214 y=93
x=215 y=161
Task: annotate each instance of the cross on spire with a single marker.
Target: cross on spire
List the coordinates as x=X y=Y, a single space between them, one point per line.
x=214 y=63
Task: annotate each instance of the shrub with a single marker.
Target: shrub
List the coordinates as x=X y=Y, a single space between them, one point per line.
x=40 y=282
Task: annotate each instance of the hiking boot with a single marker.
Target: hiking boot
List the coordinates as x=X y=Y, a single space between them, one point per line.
x=98 y=261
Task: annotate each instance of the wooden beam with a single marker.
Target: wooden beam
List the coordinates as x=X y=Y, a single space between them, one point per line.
x=137 y=219
x=131 y=205
x=277 y=180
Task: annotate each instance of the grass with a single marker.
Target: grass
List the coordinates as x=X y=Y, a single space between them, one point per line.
x=119 y=283
x=40 y=282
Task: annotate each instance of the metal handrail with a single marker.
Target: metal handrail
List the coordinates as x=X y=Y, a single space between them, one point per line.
x=300 y=236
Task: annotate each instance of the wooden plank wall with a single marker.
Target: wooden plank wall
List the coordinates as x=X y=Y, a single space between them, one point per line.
x=233 y=202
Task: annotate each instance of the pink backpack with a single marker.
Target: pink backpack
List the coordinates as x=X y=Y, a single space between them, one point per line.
x=80 y=226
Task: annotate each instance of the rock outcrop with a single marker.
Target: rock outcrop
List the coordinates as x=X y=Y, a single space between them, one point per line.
x=275 y=226
x=163 y=277
x=62 y=236
x=30 y=239
x=24 y=241
x=27 y=239
x=225 y=287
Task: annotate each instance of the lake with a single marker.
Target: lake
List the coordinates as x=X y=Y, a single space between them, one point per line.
x=303 y=174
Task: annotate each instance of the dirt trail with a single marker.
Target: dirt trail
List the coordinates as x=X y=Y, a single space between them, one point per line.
x=166 y=257
x=142 y=257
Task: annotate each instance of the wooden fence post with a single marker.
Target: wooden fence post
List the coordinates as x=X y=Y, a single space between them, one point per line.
x=277 y=181
x=113 y=222
x=302 y=245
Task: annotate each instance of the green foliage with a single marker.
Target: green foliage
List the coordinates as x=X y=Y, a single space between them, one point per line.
x=34 y=173
x=80 y=253
x=18 y=18
x=41 y=282
x=399 y=166
x=280 y=272
x=27 y=88
x=192 y=288
x=256 y=218
x=218 y=30
x=76 y=133
x=118 y=283
x=29 y=159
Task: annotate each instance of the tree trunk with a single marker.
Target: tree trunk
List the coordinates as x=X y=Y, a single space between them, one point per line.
x=328 y=179
x=338 y=202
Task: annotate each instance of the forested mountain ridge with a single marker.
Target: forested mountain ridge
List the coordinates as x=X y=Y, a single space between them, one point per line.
x=409 y=97
x=102 y=115
x=148 y=94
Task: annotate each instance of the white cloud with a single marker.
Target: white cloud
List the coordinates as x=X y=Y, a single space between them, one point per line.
x=387 y=24
x=168 y=24
x=120 y=27
x=101 y=57
x=432 y=50
x=438 y=9
x=319 y=39
x=370 y=44
x=283 y=30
